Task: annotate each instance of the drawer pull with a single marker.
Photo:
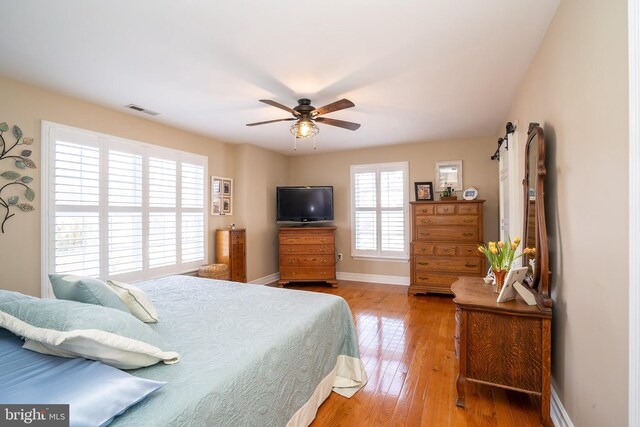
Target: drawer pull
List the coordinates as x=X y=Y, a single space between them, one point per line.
x=323 y=240
x=424 y=234
x=467 y=234
x=290 y=250
x=467 y=221
x=423 y=263
x=422 y=278
x=424 y=211
x=470 y=265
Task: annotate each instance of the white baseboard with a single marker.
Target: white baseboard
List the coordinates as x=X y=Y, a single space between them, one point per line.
x=373 y=278
x=559 y=415
x=266 y=279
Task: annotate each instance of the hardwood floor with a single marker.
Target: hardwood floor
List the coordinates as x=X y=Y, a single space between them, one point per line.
x=406 y=344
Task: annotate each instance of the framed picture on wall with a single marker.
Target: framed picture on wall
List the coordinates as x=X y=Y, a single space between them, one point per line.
x=221 y=195
x=424 y=191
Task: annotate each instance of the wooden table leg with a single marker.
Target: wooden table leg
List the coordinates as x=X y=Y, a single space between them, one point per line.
x=461 y=382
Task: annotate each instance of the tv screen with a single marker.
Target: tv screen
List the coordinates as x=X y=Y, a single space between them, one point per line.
x=304 y=204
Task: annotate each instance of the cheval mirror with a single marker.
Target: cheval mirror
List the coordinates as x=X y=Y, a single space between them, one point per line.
x=535 y=226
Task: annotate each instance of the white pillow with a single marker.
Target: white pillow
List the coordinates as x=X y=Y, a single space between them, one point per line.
x=136 y=300
x=75 y=329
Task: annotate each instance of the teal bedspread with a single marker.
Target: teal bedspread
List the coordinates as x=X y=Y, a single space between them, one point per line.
x=250 y=355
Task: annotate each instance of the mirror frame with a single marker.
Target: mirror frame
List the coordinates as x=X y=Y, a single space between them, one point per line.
x=540 y=280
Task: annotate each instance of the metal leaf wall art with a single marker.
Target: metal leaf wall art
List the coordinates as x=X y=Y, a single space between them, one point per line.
x=15 y=194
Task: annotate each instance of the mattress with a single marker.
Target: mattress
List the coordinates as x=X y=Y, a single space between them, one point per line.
x=250 y=355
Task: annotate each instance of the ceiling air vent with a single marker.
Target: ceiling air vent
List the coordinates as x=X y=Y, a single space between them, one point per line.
x=141 y=109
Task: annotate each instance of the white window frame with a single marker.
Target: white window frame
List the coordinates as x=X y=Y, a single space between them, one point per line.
x=379 y=254
x=105 y=143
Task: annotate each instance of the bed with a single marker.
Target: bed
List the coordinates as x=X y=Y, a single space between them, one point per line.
x=250 y=355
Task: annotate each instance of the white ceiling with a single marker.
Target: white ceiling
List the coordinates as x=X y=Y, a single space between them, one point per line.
x=417 y=70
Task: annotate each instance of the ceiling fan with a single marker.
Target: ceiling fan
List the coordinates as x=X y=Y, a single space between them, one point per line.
x=306 y=117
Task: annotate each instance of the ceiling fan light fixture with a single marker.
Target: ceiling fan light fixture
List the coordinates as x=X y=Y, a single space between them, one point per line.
x=304 y=128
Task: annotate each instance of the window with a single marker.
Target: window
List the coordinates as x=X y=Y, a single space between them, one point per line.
x=119 y=208
x=379 y=210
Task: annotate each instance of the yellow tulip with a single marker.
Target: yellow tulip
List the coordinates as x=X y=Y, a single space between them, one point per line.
x=513 y=246
x=494 y=251
x=480 y=249
x=516 y=240
x=500 y=244
x=492 y=244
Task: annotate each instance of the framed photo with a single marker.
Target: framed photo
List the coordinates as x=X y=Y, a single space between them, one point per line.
x=449 y=174
x=424 y=191
x=216 y=207
x=226 y=187
x=221 y=195
x=470 y=193
x=226 y=205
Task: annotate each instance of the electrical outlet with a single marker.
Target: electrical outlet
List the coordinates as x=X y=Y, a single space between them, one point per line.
x=339 y=257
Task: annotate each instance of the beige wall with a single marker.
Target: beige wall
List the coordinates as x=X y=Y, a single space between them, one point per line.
x=258 y=173
x=25 y=105
x=577 y=89
x=333 y=169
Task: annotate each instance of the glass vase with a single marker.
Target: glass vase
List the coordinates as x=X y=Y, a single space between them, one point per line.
x=499 y=276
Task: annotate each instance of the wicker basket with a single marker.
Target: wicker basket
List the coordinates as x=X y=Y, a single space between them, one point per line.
x=214 y=271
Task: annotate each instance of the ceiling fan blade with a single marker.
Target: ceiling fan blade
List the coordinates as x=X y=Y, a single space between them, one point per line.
x=339 y=123
x=280 y=106
x=271 y=121
x=334 y=106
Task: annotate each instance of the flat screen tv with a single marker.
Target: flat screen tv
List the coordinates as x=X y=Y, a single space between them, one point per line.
x=304 y=204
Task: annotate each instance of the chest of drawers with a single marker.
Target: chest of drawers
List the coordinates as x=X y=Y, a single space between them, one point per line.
x=231 y=250
x=307 y=254
x=444 y=241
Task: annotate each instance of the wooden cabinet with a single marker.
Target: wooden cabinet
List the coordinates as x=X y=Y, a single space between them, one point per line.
x=444 y=241
x=506 y=344
x=307 y=254
x=231 y=250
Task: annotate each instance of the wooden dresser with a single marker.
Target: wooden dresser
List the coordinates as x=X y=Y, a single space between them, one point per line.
x=307 y=254
x=231 y=250
x=502 y=344
x=444 y=244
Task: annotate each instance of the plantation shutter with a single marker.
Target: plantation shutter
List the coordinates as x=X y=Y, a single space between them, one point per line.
x=120 y=208
x=379 y=210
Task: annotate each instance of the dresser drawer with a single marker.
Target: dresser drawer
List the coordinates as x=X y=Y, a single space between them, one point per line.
x=465 y=220
x=307 y=273
x=237 y=237
x=424 y=278
x=306 y=239
x=307 y=260
x=306 y=249
x=446 y=209
x=449 y=264
x=455 y=234
x=423 y=209
x=468 y=209
x=468 y=250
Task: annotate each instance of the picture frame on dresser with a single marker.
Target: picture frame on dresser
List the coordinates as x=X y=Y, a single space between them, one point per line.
x=424 y=191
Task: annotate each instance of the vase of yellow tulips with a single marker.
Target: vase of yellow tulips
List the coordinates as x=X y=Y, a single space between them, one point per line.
x=501 y=256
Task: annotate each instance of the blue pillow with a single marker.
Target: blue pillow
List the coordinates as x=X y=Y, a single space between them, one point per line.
x=9 y=296
x=87 y=290
x=96 y=393
x=73 y=329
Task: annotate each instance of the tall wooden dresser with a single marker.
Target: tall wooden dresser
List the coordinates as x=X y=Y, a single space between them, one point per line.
x=307 y=254
x=444 y=244
x=231 y=250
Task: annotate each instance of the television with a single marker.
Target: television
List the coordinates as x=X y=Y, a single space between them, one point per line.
x=304 y=204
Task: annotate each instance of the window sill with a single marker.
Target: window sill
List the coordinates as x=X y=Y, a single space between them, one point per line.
x=376 y=258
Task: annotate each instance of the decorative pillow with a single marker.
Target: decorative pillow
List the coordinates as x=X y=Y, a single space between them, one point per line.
x=85 y=289
x=95 y=393
x=10 y=296
x=73 y=329
x=136 y=300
